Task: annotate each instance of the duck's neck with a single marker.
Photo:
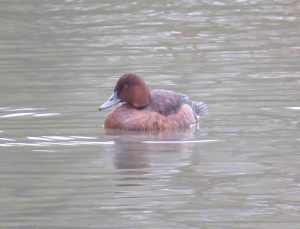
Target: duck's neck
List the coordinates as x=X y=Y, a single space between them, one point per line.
x=142 y=98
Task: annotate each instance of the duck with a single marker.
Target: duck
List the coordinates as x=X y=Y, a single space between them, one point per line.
x=144 y=109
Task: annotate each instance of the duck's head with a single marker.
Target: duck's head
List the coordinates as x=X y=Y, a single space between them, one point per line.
x=130 y=89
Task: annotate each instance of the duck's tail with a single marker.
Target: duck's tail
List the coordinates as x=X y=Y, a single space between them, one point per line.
x=200 y=108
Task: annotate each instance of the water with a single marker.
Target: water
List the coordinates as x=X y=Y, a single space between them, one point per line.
x=60 y=168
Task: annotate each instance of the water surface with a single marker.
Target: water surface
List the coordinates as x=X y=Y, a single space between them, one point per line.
x=60 y=168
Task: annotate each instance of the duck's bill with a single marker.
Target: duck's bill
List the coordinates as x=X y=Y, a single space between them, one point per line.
x=113 y=99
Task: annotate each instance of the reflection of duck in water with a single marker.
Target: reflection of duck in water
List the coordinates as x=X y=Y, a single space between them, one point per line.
x=150 y=110
x=141 y=164
x=138 y=150
x=134 y=155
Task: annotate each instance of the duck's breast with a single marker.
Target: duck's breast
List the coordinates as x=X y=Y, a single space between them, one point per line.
x=128 y=118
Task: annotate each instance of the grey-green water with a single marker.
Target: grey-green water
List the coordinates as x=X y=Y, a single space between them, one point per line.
x=60 y=60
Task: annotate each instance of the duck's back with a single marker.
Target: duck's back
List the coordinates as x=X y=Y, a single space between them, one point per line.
x=168 y=102
x=165 y=102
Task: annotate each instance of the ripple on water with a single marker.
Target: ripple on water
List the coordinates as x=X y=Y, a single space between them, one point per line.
x=22 y=112
x=13 y=115
x=180 y=142
x=46 y=141
x=76 y=140
x=7 y=139
x=293 y=108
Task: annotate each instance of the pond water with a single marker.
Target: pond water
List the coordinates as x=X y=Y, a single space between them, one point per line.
x=60 y=168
